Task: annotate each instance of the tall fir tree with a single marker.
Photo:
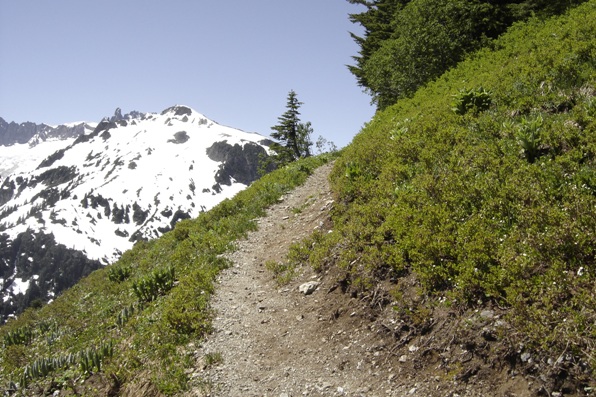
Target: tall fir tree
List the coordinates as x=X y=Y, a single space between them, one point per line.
x=294 y=136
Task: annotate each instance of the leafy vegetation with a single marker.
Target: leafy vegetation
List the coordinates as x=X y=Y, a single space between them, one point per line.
x=158 y=282
x=408 y=43
x=489 y=200
x=148 y=306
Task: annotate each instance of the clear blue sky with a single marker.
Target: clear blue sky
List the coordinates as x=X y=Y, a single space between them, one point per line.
x=233 y=60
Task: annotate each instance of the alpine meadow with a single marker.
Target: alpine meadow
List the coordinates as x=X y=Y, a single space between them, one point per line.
x=465 y=208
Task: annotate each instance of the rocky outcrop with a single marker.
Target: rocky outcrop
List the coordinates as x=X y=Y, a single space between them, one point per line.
x=179 y=137
x=11 y=133
x=240 y=163
x=178 y=111
x=118 y=116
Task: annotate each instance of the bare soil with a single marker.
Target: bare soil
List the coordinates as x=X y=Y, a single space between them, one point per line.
x=272 y=340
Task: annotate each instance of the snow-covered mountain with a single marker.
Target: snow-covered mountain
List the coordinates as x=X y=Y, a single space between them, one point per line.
x=23 y=146
x=133 y=177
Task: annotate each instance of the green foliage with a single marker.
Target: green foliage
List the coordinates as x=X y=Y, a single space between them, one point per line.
x=325 y=146
x=283 y=272
x=299 y=254
x=212 y=359
x=474 y=100
x=493 y=206
x=409 y=43
x=91 y=359
x=377 y=23
x=529 y=137
x=292 y=134
x=125 y=315
x=488 y=200
x=88 y=360
x=20 y=336
x=187 y=310
x=119 y=274
x=159 y=282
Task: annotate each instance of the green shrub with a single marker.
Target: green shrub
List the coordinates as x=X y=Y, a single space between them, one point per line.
x=529 y=137
x=159 y=282
x=91 y=359
x=20 y=336
x=119 y=274
x=212 y=359
x=495 y=207
x=474 y=100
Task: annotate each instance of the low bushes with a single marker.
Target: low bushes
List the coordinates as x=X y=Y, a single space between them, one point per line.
x=488 y=200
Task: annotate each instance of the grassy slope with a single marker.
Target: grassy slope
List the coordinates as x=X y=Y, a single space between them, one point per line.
x=128 y=339
x=493 y=207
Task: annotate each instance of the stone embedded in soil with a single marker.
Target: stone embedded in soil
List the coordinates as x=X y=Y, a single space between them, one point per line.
x=309 y=287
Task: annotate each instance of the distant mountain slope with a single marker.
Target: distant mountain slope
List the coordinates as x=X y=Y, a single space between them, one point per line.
x=23 y=145
x=31 y=133
x=131 y=179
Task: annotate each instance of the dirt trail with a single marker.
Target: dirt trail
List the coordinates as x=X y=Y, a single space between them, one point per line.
x=275 y=341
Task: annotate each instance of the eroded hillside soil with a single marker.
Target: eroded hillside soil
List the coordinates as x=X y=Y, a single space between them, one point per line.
x=272 y=340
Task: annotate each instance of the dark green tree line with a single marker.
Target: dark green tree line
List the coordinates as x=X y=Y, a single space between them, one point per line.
x=408 y=43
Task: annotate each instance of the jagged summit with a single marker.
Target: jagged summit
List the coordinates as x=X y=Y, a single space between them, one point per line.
x=128 y=116
x=31 y=133
x=178 y=110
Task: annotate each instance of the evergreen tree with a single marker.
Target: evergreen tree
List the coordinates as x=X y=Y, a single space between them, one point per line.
x=294 y=136
x=377 y=22
x=304 y=142
x=408 y=43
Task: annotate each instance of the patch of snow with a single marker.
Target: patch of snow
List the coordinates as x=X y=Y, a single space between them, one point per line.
x=19 y=286
x=21 y=158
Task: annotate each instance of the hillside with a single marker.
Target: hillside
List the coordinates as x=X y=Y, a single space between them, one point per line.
x=457 y=257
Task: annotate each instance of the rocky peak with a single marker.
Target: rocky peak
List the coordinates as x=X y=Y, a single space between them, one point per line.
x=178 y=110
x=118 y=116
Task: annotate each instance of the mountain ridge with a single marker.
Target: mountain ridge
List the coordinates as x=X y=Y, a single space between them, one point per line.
x=132 y=178
x=32 y=134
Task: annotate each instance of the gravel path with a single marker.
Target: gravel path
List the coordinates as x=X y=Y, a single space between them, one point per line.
x=275 y=341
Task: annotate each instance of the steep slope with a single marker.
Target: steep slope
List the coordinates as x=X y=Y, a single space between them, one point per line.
x=468 y=210
x=131 y=179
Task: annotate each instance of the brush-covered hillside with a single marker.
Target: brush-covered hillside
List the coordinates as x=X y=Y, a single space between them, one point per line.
x=479 y=193
x=467 y=212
